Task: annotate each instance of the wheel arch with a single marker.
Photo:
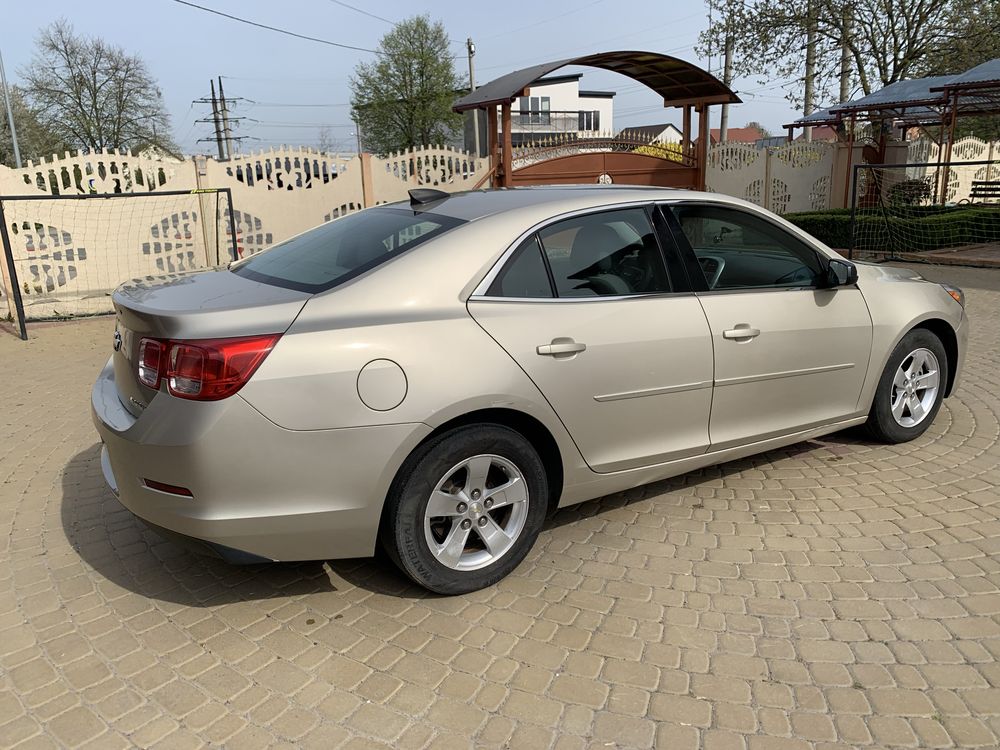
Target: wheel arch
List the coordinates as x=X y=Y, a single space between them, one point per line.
x=949 y=340
x=529 y=427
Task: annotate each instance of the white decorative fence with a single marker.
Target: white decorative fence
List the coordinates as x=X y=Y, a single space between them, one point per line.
x=70 y=253
x=960 y=178
x=784 y=179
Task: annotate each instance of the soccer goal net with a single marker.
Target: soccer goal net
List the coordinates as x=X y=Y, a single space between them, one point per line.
x=65 y=255
x=905 y=210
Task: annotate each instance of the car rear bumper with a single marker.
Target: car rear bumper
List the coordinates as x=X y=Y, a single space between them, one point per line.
x=259 y=491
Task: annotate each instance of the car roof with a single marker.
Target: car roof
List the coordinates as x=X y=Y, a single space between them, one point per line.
x=476 y=204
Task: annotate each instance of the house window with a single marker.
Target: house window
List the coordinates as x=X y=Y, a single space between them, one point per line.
x=534 y=110
x=590 y=120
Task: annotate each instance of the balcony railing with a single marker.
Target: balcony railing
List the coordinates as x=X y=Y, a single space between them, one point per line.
x=556 y=121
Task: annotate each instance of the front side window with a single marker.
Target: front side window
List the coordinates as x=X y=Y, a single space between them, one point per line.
x=332 y=253
x=739 y=250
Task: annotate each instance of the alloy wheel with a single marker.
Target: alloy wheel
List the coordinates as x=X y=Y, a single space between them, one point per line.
x=915 y=388
x=476 y=512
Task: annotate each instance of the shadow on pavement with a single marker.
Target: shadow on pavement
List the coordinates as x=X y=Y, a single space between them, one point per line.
x=137 y=560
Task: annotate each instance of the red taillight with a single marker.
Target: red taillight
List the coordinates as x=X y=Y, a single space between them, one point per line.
x=207 y=369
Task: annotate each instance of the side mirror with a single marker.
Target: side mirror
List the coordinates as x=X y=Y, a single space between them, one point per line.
x=841 y=273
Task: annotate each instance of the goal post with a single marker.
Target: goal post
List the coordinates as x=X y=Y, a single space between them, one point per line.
x=65 y=254
x=899 y=211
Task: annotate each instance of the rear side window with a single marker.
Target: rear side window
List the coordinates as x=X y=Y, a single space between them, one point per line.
x=605 y=254
x=332 y=253
x=525 y=275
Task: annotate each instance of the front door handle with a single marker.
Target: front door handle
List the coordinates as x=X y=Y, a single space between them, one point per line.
x=560 y=347
x=742 y=332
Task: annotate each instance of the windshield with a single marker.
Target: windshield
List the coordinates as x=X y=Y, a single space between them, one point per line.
x=332 y=253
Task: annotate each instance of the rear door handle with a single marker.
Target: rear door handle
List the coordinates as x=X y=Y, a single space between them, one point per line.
x=560 y=347
x=741 y=331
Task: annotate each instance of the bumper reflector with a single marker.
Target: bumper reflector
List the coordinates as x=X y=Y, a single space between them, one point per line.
x=170 y=489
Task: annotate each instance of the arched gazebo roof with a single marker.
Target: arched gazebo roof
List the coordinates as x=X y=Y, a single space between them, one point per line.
x=677 y=81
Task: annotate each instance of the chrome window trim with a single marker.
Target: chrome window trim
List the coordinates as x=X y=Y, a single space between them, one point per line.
x=480 y=292
x=596 y=298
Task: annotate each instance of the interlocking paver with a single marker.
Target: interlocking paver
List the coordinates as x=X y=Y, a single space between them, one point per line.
x=835 y=593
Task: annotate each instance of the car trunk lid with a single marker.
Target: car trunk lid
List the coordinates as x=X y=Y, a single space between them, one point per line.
x=207 y=305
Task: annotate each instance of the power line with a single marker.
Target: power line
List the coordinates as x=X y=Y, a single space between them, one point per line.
x=276 y=29
x=542 y=21
x=363 y=12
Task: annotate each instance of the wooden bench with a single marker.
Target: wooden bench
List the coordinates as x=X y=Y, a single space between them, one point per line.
x=984 y=190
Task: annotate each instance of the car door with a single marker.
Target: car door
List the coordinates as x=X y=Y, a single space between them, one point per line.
x=611 y=335
x=789 y=354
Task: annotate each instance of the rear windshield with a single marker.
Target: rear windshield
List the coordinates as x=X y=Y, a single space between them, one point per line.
x=340 y=250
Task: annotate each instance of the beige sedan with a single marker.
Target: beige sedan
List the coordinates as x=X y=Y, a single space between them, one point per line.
x=436 y=376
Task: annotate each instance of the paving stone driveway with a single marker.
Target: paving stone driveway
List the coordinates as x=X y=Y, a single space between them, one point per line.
x=833 y=594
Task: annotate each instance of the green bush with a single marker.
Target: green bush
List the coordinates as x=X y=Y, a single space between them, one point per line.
x=909 y=229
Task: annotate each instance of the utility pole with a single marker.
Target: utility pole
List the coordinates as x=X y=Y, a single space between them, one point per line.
x=218 y=125
x=727 y=76
x=472 y=87
x=224 y=108
x=10 y=115
x=357 y=133
x=845 y=51
x=807 y=106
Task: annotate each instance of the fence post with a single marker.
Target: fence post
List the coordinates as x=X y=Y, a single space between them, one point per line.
x=854 y=205
x=367 y=193
x=767 y=179
x=15 y=288
x=231 y=213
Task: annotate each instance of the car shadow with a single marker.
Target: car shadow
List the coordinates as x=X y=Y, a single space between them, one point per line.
x=137 y=560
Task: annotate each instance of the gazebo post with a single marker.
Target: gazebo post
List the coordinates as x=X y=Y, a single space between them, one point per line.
x=849 y=171
x=703 y=146
x=492 y=139
x=506 y=154
x=686 y=135
x=947 y=153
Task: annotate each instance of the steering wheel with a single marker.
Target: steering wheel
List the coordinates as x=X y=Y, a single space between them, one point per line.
x=797 y=274
x=720 y=264
x=636 y=274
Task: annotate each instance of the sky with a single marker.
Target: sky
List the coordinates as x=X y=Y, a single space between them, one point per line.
x=293 y=87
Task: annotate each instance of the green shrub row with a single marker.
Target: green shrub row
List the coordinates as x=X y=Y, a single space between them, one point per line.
x=913 y=229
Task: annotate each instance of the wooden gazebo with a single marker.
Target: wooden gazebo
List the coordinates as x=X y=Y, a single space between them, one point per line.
x=680 y=83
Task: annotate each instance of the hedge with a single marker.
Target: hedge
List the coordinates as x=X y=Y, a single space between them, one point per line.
x=921 y=228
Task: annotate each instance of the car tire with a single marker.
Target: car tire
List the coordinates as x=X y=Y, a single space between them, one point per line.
x=916 y=396
x=454 y=497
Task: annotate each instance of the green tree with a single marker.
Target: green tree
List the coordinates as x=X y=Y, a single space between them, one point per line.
x=94 y=95
x=403 y=98
x=33 y=139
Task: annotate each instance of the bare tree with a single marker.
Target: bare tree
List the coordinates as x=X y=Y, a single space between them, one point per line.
x=95 y=95
x=865 y=44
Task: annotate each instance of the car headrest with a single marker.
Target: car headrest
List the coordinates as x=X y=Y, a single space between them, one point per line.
x=354 y=252
x=593 y=244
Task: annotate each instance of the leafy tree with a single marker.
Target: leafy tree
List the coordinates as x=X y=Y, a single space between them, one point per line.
x=880 y=41
x=94 y=95
x=34 y=141
x=764 y=132
x=403 y=98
